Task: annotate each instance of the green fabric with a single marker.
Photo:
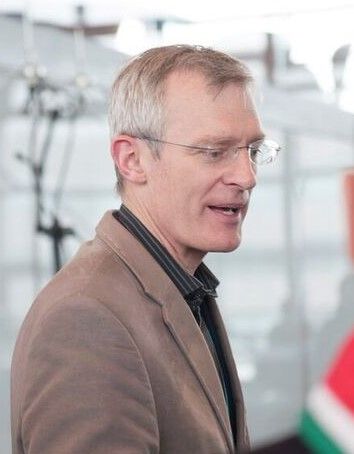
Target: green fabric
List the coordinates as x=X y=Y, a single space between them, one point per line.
x=315 y=438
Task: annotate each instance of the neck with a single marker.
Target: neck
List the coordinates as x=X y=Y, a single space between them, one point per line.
x=186 y=258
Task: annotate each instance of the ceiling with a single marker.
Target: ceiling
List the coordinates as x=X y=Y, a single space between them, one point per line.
x=103 y=11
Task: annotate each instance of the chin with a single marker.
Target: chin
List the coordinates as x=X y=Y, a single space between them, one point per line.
x=228 y=245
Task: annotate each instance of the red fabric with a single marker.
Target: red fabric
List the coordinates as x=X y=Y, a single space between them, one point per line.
x=340 y=378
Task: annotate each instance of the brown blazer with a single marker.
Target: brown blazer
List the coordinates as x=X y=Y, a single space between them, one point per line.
x=110 y=360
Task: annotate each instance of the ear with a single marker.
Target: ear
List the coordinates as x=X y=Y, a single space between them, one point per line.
x=126 y=155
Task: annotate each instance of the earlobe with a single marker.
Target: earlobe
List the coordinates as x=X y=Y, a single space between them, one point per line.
x=126 y=155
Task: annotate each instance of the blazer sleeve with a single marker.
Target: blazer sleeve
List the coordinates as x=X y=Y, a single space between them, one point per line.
x=86 y=387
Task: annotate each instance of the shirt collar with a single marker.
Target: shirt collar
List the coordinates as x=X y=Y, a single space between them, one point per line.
x=194 y=288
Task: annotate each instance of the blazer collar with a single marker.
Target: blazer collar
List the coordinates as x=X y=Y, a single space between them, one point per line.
x=175 y=312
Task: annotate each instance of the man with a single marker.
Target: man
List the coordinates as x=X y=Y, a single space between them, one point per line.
x=125 y=351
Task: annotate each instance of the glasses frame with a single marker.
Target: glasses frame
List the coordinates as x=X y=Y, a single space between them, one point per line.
x=251 y=147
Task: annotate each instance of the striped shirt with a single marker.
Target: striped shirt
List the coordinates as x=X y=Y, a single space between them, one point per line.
x=195 y=289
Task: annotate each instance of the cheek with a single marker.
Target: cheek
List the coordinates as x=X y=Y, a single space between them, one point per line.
x=186 y=199
x=182 y=190
x=181 y=187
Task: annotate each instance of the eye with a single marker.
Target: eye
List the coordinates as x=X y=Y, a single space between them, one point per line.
x=259 y=152
x=214 y=154
x=254 y=154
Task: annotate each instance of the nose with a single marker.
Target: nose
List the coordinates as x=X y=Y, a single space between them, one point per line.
x=240 y=171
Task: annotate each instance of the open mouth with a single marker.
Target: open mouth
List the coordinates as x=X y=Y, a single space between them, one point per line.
x=225 y=210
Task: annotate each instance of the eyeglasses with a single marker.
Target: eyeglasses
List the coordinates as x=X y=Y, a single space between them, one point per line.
x=262 y=151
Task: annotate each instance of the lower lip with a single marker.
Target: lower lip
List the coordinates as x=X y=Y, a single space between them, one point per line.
x=228 y=216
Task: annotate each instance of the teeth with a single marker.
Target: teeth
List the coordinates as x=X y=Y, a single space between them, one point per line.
x=229 y=209
x=226 y=210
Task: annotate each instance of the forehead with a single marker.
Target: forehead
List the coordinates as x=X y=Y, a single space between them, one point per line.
x=190 y=102
x=190 y=85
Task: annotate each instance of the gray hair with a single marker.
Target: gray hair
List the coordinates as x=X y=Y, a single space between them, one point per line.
x=136 y=105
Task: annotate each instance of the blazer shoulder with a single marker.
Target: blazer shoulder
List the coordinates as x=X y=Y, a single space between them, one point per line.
x=69 y=361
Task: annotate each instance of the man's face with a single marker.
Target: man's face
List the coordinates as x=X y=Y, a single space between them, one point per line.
x=194 y=205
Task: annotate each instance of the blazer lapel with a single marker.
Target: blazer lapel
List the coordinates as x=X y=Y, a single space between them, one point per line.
x=184 y=329
x=241 y=426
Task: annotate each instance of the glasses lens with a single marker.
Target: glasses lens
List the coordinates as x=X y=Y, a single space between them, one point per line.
x=263 y=151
